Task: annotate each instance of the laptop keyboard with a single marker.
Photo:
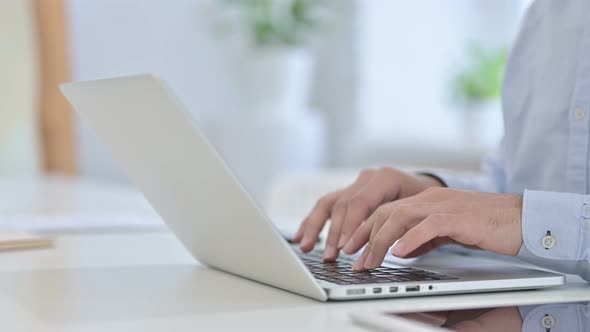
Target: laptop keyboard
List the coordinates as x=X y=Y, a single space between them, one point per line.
x=341 y=273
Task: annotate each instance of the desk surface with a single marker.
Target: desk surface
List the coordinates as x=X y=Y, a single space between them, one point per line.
x=146 y=281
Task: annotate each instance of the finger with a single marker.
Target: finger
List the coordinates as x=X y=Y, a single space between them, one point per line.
x=382 y=187
x=433 y=227
x=382 y=214
x=359 y=238
x=339 y=212
x=360 y=262
x=380 y=217
x=299 y=235
x=401 y=219
x=324 y=203
x=316 y=220
x=362 y=235
x=429 y=246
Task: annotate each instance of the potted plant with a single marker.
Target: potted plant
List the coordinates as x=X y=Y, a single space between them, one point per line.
x=266 y=45
x=476 y=89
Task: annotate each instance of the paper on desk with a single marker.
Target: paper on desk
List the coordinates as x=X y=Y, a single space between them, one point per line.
x=79 y=222
x=18 y=241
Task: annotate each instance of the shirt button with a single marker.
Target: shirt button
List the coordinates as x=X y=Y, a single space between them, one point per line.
x=549 y=242
x=548 y=322
x=579 y=113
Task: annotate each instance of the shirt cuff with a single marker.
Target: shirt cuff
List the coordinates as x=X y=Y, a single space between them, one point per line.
x=554 y=224
x=558 y=317
x=475 y=182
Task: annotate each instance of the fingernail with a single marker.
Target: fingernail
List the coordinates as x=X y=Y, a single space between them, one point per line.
x=341 y=243
x=305 y=242
x=330 y=252
x=369 y=261
x=348 y=247
x=358 y=265
x=399 y=249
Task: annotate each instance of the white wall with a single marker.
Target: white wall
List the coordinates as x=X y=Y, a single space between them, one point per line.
x=335 y=92
x=170 y=39
x=383 y=64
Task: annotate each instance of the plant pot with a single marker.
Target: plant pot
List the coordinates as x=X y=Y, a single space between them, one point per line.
x=274 y=80
x=274 y=129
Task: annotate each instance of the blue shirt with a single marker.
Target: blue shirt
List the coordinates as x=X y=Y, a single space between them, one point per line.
x=544 y=152
x=564 y=317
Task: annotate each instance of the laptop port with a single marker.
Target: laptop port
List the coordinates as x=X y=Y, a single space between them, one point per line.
x=412 y=288
x=393 y=289
x=377 y=290
x=357 y=291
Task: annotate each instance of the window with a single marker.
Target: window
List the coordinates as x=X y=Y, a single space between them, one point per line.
x=408 y=52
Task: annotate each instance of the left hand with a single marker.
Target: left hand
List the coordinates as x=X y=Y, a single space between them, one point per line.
x=435 y=217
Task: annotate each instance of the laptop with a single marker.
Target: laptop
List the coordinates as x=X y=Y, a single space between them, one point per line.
x=159 y=147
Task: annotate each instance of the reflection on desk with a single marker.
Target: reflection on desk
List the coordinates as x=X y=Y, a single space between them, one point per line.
x=569 y=317
x=147 y=281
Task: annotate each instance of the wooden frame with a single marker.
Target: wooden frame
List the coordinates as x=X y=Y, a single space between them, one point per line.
x=57 y=134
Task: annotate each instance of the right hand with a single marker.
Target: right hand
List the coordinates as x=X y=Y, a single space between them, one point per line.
x=349 y=207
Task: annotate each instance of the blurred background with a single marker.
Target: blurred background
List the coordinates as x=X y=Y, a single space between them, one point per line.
x=292 y=92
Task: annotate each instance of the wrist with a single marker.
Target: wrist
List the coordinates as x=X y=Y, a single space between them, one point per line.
x=514 y=208
x=431 y=180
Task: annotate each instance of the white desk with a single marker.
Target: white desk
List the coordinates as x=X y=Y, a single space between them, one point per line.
x=146 y=281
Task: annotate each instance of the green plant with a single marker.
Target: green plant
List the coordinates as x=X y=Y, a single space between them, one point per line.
x=481 y=79
x=276 y=22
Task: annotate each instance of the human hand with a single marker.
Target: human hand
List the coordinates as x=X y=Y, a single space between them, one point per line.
x=477 y=320
x=435 y=217
x=501 y=319
x=349 y=207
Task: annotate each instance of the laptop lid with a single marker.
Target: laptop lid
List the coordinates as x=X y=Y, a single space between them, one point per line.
x=162 y=151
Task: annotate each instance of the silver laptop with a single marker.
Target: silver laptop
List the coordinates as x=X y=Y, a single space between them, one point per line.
x=163 y=152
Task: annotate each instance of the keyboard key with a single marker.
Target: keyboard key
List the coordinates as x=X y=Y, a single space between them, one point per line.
x=340 y=272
